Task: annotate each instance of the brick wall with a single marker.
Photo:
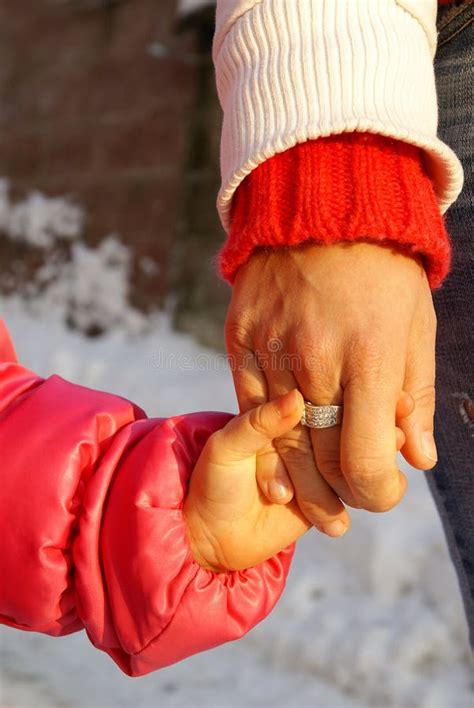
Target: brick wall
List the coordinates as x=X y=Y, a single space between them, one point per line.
x=97 y=101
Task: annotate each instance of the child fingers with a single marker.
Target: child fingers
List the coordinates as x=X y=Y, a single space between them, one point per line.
x=251 y=432
x=272 y=476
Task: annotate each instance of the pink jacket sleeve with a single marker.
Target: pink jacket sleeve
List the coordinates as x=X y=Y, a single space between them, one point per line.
x=92 y=529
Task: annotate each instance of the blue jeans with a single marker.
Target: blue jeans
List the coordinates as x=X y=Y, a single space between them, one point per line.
x=452 y=481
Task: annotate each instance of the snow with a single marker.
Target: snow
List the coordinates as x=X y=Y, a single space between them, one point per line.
x=372 y=619
x=37 y=219
x=93 y=287
x=89 y=285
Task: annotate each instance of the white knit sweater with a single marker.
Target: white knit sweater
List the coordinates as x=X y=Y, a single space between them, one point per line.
x=292 y=70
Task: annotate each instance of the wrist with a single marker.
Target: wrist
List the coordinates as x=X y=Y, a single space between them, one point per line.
x=201 y=546
x=311 y=262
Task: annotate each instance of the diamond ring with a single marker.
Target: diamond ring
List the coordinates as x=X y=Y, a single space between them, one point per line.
x=321 y=416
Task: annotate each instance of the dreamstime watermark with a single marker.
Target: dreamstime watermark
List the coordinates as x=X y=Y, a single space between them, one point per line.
x=271 y=358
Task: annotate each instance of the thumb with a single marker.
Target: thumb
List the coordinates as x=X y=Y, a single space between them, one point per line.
x=246 y=434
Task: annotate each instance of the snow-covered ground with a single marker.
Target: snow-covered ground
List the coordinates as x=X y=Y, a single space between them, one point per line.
x=372 y=619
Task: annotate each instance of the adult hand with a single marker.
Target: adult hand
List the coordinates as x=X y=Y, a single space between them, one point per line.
x=352 y=324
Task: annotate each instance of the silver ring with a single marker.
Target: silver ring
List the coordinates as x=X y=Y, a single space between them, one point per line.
x=321 y=416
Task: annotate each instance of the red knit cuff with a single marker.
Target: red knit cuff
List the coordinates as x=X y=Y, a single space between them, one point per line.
x=349 y=187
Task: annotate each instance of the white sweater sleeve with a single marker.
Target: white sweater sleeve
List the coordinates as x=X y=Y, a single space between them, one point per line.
x=289 y=71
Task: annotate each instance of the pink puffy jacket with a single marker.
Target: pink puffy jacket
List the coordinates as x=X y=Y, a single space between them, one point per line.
x=91 y=527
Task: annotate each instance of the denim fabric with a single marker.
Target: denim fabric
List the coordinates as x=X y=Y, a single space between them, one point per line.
x=452 y=481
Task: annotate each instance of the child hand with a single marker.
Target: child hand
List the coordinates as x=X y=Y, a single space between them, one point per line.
x=231 y=525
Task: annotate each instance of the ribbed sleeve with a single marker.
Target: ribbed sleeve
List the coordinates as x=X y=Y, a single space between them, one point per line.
x=341 y=188
x=288 y=72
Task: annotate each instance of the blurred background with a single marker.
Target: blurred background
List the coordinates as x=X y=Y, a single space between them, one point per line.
x=109 y=147
x=112 y=104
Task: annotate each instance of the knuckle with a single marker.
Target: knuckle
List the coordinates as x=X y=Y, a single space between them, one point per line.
x=268 y=348
x=366 y=469
x=311 y=346
x=294 y=447
x=271 y=351
x=238 y=332
x=258 y=420
x=369 y=474
x=330 y=468
x=380 y=506
x=317 y=354
x=215 y=443
x=376 y=483
x=425 y=396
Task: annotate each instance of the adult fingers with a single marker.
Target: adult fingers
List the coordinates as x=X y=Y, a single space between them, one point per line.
x=272 y=474
x=319 y=382
x=419 y=449
x=327 y=452
x=405 y=406
x=368 y=436
x=316 y=500
x=249 y=380
x=327 y=448
x=251 y=390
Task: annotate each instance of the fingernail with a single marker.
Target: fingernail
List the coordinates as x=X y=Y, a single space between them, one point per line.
x=335 y=528
x=428 y=446
x=278 y=490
